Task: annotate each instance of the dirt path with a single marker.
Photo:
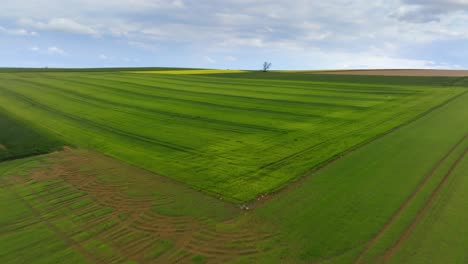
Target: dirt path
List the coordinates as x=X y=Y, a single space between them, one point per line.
x=397 y=72
x=405 y=204
x=422 y=210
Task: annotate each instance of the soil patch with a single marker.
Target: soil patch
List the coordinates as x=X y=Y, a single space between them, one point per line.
x=2 y=147
x=408 y=72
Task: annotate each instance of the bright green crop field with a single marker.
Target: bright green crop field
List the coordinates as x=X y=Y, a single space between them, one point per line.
x=225 y=134
x=395 y=191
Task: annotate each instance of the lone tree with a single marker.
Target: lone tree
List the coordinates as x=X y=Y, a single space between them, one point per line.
x=266 y=66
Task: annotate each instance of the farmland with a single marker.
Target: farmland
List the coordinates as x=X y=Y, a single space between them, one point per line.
x=363 y=170
x=353 y=206
x=232 y=137
x=18 y=139
x=439 y=229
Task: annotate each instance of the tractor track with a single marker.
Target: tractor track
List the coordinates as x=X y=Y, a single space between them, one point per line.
x=404 y=236
x=406 y=203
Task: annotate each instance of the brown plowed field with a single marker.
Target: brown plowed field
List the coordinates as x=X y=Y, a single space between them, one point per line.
x=409 y=72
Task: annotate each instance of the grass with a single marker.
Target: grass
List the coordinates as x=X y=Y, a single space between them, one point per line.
x=333 y=214
x=234 y=137
x=440 y=236
x=189 y=72
x=18 y=139
x=160 y=247
x=22 y=231
x=356 y=79
x=43 y=244
x=385 y=244
x=115 y=69
x=328 y=217
x=68 y=203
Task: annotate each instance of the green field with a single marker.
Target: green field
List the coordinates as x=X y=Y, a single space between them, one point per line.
x=18 y=139
x=82 y=207
x=347 y=204
x=440 y=235
x=400 y=193
x=227 y=135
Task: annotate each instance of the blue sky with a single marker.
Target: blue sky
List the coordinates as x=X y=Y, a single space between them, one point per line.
x=235 y=34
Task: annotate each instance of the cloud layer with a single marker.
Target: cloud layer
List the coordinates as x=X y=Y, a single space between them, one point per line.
x=242 y=33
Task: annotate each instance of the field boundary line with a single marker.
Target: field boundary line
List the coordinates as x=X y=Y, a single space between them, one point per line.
x=407 y=201
x=409 y=229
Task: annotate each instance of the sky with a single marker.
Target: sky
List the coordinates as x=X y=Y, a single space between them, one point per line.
x=235 y=34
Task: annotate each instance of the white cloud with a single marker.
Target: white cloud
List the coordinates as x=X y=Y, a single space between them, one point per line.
x=235 y=19
x=143 y=45
x=154 y=32
x=373 y=59
x=237 y=42
x=209 y=60
x=421 y=11
x=102 y=57
x=249 y=23
x=381 y=31
x=61 y=24
x=382 y=62
x=45 y=9
x=133 y=5
x=55 y=51
x=18 y=32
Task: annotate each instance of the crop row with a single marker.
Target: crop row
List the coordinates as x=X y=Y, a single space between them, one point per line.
x=236 y=137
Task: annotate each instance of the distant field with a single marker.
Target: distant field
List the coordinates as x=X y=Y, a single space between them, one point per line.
x=115 y=69
x=446 y=73
x=79 y=206
x=279 y=76
x=188 y=72
x=233 y=137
